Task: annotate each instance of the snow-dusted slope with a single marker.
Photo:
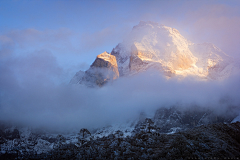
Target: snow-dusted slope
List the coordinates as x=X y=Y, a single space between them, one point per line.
x=164 y=48
x=236 y=119
x=78 y=76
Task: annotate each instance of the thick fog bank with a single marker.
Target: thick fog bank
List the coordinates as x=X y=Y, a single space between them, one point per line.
x=65 y=107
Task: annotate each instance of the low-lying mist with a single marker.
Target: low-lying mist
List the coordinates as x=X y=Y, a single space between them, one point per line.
x=65 y=107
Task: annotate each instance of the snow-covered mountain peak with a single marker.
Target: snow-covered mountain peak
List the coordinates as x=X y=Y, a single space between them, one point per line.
x=164 y=48
x=152 y=45
x=150 y=36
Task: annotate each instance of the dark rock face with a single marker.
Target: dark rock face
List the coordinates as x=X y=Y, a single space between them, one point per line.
x=95 y=76
x=172 y=119
x=136 y=64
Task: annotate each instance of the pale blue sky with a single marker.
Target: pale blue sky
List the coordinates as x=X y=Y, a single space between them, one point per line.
x=75 y=32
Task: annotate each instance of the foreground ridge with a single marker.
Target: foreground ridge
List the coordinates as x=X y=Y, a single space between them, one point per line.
x=202 y=142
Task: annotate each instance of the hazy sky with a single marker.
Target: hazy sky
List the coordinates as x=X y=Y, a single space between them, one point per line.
x=75 y=32
x=43 y=43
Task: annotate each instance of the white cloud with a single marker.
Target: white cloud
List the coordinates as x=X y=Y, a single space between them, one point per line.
x=64 y=106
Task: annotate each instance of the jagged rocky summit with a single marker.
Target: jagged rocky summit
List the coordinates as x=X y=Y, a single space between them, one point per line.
x=163 y=48
x=103 y=69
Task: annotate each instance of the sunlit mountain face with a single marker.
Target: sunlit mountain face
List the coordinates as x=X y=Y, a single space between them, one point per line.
x=156 y=95
x=151 y=45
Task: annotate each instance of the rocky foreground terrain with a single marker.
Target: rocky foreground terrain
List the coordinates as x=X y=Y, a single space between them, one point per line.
x=213 y=141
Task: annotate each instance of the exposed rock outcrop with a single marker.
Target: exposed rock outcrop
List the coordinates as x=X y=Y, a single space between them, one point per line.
x=102 y=70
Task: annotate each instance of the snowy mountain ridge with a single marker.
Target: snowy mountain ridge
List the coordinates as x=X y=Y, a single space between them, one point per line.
x=151 y=45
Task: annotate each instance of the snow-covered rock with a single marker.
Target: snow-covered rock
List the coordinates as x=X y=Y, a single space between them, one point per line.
x=236 y=119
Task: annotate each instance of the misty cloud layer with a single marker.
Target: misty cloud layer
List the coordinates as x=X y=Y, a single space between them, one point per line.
x=30 y=96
